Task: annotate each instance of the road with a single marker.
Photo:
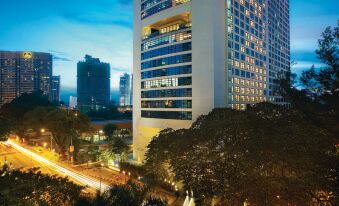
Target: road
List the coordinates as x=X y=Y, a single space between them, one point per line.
x=23 y=158
x=20 y=161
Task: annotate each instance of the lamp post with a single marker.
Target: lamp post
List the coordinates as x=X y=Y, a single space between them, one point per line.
x=123 y=172
x=102 y=165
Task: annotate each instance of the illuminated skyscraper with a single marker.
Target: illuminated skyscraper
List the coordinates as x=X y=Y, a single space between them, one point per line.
x=93 y=84
x=191 y=56
x=24 y=72
x=125 y=90
x=55 y=91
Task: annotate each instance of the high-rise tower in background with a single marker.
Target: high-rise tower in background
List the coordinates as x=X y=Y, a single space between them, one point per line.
x=55 y=91
x=125 y=89
x=24 y=72
x=191 y=56
x=93 y=84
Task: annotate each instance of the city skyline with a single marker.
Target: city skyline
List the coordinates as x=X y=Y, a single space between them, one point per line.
x=104 y=30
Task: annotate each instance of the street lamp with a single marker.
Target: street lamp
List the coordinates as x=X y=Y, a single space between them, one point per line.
x=100 y=133
x=102 y=165
x=42 y=130
x=123 y=172
x=45 y=144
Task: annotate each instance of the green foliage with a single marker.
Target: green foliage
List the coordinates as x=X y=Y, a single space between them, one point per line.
x=109 y=113
x=34 y=188
x=258 y=154
x=5 y=128
x=136 y=170
x=109 y=130
x=131 y=194
x=323 y=108
x=66 y=126
x=118 y=146
x=16 y=110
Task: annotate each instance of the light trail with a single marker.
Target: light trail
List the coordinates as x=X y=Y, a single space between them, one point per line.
x=87 y=181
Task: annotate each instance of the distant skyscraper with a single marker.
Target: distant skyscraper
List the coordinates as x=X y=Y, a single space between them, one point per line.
x=24 y=72
x=73 y=102
x=55 y=92
x=131 y=96
x=93 y=84
x=125 y=90
x=191 y=56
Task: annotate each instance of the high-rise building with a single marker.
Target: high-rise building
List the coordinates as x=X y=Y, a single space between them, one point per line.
x=55 y=91
x=24 y=72
x=93 y=84
x=191 y=56
x=73 y=102
x=131 y=93
x=125 y=90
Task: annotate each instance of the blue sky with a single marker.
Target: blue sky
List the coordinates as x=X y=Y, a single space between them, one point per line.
x=69 y=29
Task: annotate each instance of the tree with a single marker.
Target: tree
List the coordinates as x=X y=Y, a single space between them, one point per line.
x=109 y=130
x=5 y=128
x=323 y=108
x=15 y=110
x=66 y=126
x=118 y=146
x=36 y=119
x=34 y=188
x=266 y=155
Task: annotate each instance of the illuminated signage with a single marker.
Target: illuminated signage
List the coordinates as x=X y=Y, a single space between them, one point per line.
x=27 y=55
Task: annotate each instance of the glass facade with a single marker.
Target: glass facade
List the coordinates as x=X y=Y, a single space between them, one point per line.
x=93 y=84
x=183 y=58
x=150 y=7
x=24 y=72
x=166 y=115
x=186 y=92
x=169 y=82
x=166 y=50
x=247 y=27
x=167 y=104
x=166 y=39
x=167 y=72
x=279 y=46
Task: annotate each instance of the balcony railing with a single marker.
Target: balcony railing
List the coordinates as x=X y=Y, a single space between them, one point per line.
x=158 y=7
x=158 y=33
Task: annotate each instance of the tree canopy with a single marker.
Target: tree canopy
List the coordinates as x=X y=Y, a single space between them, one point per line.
x=266 y=155
x=34 y=188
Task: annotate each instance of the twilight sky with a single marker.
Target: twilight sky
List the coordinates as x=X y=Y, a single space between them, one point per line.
x=69 y=29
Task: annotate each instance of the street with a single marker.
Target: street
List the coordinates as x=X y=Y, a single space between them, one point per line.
x=20 y=157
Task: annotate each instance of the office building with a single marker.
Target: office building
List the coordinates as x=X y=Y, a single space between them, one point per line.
x=125 y=90
x=24 y=72
x=93 y=84
x=191 y=56
x=55 y=91
x=131 y=93
x=73 y=102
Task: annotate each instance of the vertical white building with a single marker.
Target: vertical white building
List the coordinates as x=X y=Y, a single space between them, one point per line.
x=73 y=102
x=191 y=56
x=125 y=89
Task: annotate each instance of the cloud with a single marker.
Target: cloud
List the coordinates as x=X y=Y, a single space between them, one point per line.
x=58 y=58
x=119 y=69
x=98 y=19
x=304 y=65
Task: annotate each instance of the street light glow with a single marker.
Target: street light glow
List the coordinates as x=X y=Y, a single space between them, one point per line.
x=78 y=177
